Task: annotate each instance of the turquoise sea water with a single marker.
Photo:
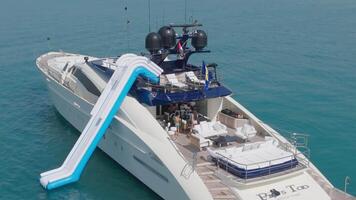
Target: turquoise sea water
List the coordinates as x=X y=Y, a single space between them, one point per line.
x=292 y=63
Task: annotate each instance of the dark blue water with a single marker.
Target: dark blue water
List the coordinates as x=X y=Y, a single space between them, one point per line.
x=292 y=63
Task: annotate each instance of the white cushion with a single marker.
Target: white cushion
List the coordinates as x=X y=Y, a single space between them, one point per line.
x=246 y=148
x=245 y=131
x=240 y=135
x=193 y=77
x=218 y=127
x=241 y=122
x=171 y=76
x=254 y=155
x=208 y=129
x=251 y=146
x=173 y=81
x=248 y=129
x=202 y=141
x=204 y=126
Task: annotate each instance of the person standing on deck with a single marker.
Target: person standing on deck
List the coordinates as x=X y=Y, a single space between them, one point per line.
x=177 y=121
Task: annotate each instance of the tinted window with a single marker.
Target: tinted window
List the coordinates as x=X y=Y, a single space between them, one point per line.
x=103 y=72
x=86 y=82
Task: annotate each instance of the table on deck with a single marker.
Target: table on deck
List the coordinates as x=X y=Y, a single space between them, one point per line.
x=223 y=140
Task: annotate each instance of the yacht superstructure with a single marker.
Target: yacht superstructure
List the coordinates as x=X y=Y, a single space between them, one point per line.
x=181 y=134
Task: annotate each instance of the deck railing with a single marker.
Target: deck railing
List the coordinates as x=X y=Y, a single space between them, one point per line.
x=166 y=87
x=189 y=166
x=229 y=165
x=296 y=143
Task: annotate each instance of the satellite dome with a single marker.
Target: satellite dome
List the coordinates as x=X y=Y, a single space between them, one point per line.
x=153 y=42
x=199 y=39
x=168 y=36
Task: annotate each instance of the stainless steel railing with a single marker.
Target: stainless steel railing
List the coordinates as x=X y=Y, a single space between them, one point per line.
x=228 y=164
x=167 y=87
x=296 y=142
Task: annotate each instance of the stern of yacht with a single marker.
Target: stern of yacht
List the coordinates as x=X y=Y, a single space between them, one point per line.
x=239 y=157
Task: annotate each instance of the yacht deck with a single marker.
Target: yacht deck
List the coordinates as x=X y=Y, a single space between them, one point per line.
x=333 y=192
x=218 y=181
x=215 y=178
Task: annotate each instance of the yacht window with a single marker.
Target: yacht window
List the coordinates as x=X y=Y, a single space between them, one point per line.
x=86 y=82
x=65 y=67
x=72 y=69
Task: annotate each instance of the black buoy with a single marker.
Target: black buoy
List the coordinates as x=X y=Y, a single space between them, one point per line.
x=168 y=36
x=153 y=42
x=199 y=40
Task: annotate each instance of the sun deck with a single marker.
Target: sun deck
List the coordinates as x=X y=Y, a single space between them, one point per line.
x=219 y=181
x=195 y=142
x=216 y=127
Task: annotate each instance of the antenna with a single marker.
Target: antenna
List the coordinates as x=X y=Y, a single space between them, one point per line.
x=163 y=15
x=48 y=39
x=149 y=16
x=156 y=24
x=127 y=28
x=185 y=11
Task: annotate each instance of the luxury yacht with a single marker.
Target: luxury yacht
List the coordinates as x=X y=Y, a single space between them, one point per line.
x=174 y=125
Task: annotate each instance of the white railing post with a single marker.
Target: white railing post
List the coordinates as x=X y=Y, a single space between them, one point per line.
x=246 y=172
x=269 y=167
x=347 y=182
x=194 y=162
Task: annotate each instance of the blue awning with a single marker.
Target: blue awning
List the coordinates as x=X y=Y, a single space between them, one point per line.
x=161 y=98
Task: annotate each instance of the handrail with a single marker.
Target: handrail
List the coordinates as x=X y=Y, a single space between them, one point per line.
x=168 y=87
x=299 y=139
x=269 y=166
x=293 y=145
x=256 y=163
x=347 y=181
x=176 y=148
x=266 y=128
x=293 y=149
x=188 y=164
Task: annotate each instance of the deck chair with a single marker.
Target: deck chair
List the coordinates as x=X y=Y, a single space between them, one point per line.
x=193 y=78
x=246 y=132
x=173 y=80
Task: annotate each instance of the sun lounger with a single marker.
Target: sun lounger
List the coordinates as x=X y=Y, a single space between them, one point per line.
x=199 y=141
x=254 y=159
x=193 y=78
x=173 y=80
x=209 y=129
x=246 y=131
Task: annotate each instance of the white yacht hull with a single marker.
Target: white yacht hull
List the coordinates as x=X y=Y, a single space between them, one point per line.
x=122 y=145
x=138 y=143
